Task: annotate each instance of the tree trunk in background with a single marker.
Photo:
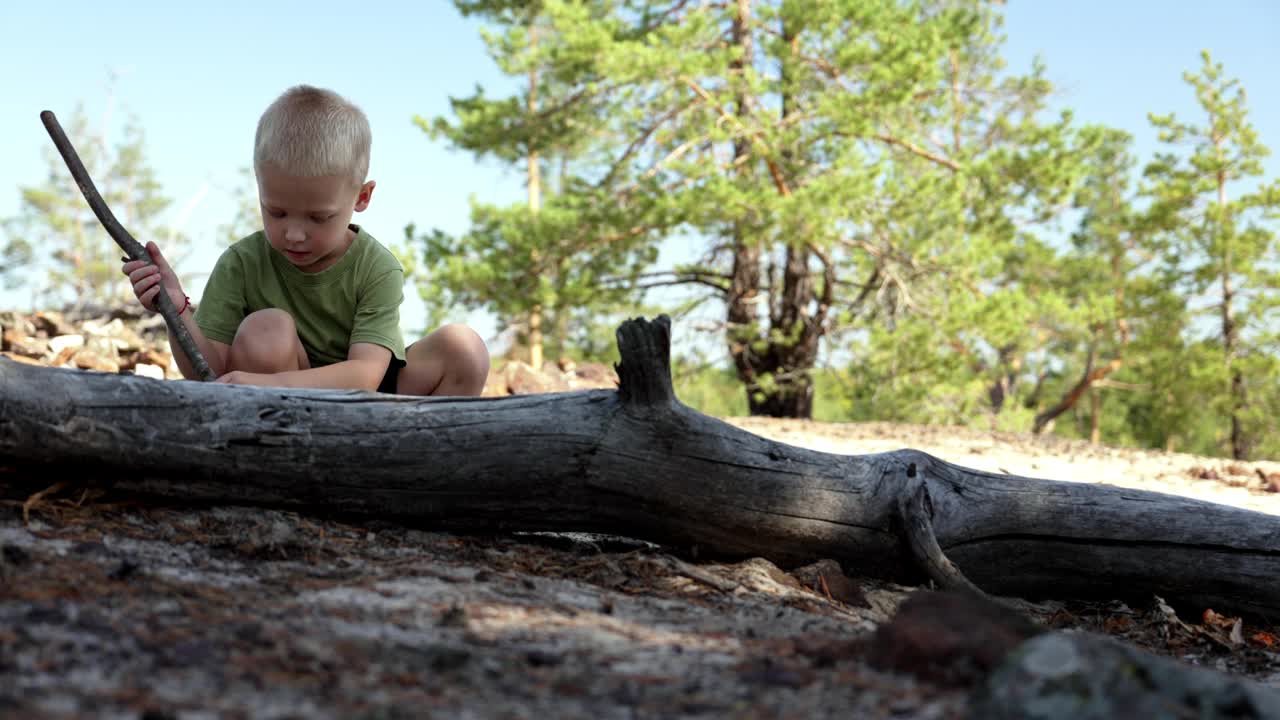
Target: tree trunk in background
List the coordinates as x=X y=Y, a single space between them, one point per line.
x=792 y=358
x=535 y=206
x=744 y=287
x=1095 y=416
x=790 y=348
x=1239 y=443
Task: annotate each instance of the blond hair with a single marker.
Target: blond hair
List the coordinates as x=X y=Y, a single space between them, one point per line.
x=309 y=131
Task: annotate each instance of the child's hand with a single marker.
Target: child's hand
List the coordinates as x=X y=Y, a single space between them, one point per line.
x=240 y=377
x=148 y=278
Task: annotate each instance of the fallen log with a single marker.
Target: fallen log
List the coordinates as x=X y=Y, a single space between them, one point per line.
x=638 y=462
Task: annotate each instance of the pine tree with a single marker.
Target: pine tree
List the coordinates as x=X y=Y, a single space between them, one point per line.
x=1218 y=220
x=248 y=212
x=885 y=190
x=865 y=168
x=573 y=246
x=1100 y=273
x=56 y=237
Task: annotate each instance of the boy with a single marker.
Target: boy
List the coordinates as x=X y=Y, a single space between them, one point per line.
x=312 y=300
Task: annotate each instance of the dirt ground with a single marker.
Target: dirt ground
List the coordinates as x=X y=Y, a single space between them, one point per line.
x=114 y=606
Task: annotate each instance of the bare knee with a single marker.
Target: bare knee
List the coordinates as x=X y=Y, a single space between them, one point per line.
x=452 y=361
x=468 y=358
x=267 y=342
x=466 y=367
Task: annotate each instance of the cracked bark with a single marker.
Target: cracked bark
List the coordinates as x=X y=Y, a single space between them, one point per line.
x=636 y=462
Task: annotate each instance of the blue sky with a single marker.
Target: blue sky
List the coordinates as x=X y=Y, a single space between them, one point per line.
x=198 y=77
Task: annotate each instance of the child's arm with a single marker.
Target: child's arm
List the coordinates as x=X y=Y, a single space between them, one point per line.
x=363 y=369
x=215 y=353
x=147 y=280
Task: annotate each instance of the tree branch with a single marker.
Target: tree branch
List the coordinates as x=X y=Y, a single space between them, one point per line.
x=917 y=150
x=774 y=171
x=132 y=247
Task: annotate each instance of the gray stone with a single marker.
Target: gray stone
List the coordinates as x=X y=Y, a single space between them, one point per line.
x=1080 y=676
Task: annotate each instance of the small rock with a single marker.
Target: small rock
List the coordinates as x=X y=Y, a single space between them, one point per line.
x=64 y=357
x=89 y=360
x=524 y=380
x=949 y=638
x=116 y=333
x=52 y=324
x=594 y=376
x=153 y=356
x=826 y=576
x=62 y=342
x=18 y=323
x=19 y=343
x=1204 y=473
x=518 y=378
x=149 y=371
x=1081 y=676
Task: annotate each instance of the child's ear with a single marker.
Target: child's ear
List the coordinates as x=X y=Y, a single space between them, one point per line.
x=366 y=195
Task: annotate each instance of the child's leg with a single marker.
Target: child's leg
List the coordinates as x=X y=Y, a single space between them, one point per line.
x=452 y=361
x=267 y=342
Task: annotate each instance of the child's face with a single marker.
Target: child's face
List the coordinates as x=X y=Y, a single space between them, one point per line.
x=306 y=218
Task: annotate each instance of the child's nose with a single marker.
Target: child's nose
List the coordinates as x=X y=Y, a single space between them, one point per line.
x=294 y=233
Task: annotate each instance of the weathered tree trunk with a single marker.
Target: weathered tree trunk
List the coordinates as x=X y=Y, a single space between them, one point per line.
x=636 y=462
x=741 y=311
x=535 y=202
x=774 y=363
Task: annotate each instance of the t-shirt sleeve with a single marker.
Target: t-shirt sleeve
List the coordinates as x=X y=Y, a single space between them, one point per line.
x=222 y=306
x=377 y=318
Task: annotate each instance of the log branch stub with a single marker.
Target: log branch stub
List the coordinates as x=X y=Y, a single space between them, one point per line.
x=644 y=372
x=132 y=247
x=915 y=511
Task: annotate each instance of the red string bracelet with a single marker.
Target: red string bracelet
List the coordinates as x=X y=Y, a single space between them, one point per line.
x=185 y=305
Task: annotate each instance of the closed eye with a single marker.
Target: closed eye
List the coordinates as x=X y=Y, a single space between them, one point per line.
x=323 y=219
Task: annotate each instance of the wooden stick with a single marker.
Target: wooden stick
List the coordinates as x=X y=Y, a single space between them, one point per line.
x=132 y=247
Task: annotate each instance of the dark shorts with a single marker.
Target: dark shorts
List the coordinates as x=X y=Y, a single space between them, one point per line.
x=393 y=375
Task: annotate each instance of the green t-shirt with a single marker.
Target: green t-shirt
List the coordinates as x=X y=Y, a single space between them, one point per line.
x=357 y=299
